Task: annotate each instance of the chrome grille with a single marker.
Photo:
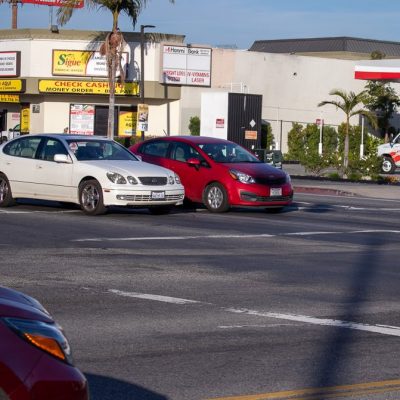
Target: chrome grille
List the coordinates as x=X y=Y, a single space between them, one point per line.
x=146 y=198
x=153 y=180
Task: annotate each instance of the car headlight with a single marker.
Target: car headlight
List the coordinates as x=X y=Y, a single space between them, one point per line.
x=241 y=176
x=132 y=180
x=46 y=337
x=114 y=177
x=177 y=179
x=171 y=180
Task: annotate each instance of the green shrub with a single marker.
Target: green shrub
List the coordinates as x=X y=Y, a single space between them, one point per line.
x=194 y=126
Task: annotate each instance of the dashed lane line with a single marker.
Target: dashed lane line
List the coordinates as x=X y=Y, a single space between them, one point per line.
x=233 y=236
x=304 y=319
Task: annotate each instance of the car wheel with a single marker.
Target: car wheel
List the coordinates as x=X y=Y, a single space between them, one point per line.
x=388 y=166
x=6 y=198
x=91 y=198
x=160 y=210
x=216 y=198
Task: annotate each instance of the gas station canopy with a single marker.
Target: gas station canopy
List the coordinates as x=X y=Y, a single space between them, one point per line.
x=386 y=70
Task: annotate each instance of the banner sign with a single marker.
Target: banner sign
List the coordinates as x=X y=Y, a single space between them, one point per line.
x=143 y=117
x=12 y=85
x=57 y=3
x=186 y=65
x=9 y=98
x=25 y=118
x=127 y=123
x=10 y=63
x=81 y=119
x=83 y=63
x=87 y=87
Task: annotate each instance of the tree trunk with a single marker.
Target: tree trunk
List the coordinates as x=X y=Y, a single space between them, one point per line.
x=111 y=106
x=346 y=149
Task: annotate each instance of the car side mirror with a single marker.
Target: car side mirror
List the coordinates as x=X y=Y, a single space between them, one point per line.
x=194 y=162
x=62 y=159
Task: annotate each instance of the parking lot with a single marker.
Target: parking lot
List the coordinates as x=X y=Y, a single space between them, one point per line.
x=241 y=305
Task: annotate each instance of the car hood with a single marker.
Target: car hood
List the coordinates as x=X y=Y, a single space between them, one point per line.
x=126 y=167
x=258 y=170
x=19 y=305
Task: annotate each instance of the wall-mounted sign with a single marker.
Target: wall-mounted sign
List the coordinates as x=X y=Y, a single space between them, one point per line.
x=220 y=123
x=86 y=87
x=10 y=63
x=56 y=3
x=81 y=119
x=12 y=85
x=82 y=63
x=250 y=135
x=186 y=65
x=9 y=98
x=25 y=118
x=143 y=117
x=36 y=108
x=127 y=121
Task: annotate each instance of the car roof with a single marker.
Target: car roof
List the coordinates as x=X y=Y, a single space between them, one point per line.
x=192 y=139
x=67 y=136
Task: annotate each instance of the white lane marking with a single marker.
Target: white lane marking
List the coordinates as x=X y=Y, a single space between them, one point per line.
x=252 y=326
x=381 y=329
x=134 y=239
x=39 y=211
x=230 y=236
x=145 y=296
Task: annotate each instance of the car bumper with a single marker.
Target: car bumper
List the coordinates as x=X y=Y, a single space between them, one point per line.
x=261 y=196
x=154 y=197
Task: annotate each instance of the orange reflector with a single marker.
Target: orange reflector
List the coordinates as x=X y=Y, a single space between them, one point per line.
x=46 y=344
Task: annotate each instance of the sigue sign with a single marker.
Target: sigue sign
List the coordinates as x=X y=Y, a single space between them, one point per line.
x=57 y=3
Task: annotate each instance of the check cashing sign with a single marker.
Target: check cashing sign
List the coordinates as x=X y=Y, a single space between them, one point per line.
x=86 y=87
x=56 y=3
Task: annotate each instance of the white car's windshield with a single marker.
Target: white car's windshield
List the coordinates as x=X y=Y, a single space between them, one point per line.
x=92 y=150
x=228 y=153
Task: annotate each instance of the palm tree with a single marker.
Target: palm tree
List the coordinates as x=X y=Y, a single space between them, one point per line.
x=350 y=102
x=114 y=42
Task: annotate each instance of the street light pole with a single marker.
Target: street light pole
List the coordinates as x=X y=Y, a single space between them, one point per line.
x=142 y=28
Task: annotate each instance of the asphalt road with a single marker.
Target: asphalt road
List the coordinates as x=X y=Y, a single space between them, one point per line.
x=245 y=305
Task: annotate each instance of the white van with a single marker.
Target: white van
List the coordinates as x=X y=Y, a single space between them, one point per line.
x=391 y=155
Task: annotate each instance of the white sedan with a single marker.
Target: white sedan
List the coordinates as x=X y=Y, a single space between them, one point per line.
x=91 y=171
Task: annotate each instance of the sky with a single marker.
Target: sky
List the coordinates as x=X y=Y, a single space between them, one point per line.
x=235 y=22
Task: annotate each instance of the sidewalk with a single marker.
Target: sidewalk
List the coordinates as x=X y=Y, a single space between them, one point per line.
x=304 y=183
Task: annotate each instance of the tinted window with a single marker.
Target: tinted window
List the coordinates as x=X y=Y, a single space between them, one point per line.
x=92 y=150
x=156 y=148
x=183 y=151
x=24 y=147
x=228 y=153
x=51 y=148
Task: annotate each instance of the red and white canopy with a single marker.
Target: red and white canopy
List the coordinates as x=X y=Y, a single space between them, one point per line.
x=378 y=70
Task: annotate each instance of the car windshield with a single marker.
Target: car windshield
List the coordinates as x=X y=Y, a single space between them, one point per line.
x=228 y=153
x=92 y=150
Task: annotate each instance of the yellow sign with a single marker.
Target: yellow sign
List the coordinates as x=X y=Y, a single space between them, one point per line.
x=12 y=85
x=25 y=118
x=9 y=98
x=83 y=63
x=127 y=123
x=70 y=62
x=87 y=87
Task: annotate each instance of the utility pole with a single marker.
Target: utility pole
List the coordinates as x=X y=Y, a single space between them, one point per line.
x=14 y=14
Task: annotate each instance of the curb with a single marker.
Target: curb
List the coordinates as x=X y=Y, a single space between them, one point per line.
x=326 y=191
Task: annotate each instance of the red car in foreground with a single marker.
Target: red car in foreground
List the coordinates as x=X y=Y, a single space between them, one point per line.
x=218 y=173
x=35 y=357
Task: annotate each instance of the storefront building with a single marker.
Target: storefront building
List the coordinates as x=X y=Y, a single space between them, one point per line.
x=57 y=82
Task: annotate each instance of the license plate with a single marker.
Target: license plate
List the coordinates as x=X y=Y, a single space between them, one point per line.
x=158 y=195
x=276 y=192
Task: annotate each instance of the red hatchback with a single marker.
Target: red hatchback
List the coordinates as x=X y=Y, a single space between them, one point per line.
x=35 y=357
x=218 y=173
